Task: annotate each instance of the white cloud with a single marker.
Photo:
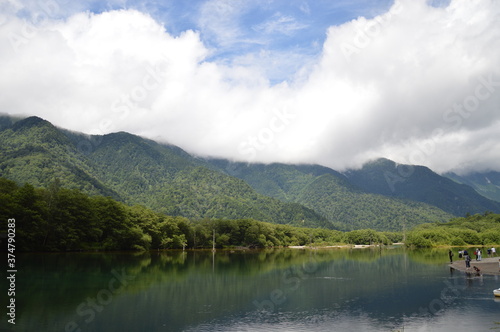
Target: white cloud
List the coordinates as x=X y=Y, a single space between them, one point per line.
x=417 y=84
x=280 y=23
x=407 y=68
x=74 y=72
x=304 y=7
x=219 y=21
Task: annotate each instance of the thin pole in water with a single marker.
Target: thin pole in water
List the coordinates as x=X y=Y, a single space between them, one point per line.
x=213 y=241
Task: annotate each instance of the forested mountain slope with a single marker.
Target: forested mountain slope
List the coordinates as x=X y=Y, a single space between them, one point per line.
x=485 y=183
x=420 y=184
x=382 y=195
x=33 y=151
x=329 y=192
x=137 y=171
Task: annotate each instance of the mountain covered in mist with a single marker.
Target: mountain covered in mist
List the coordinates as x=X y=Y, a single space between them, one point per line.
x=333 y=195
x=485 y=183
x=167 y=179
x=419 y=183
x=136 y=171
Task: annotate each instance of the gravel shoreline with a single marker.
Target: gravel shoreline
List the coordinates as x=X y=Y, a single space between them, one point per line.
x=488 y=265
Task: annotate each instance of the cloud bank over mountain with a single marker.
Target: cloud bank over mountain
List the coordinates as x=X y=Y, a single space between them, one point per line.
x=412 y=82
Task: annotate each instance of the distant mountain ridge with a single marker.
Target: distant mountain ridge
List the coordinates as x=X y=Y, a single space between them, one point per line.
x=419 y=183
x=331 y=193
x=486 y=184
x=136 y=171
x=167 y=179
x=29 y=146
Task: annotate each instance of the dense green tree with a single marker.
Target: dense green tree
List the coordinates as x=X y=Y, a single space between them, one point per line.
x=60 y=219
x=478 y=229
x=29 y=212
x=71 y=221
x=365 y=236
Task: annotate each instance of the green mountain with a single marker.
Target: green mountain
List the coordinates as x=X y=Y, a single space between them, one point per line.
x=485 y=183
x=33 y=151
x=332 y=194
x=277 y=180
x=136 y=171
x=419 y=183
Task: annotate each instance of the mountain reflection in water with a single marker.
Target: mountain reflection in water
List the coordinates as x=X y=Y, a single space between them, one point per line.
x=268 y=290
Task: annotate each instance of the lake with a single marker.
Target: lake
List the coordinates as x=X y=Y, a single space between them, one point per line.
x=267 y=290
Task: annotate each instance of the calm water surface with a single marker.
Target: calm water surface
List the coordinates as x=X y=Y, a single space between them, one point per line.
x=275 y=290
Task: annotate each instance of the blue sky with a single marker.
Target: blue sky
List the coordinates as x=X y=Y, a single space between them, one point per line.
x=233 y=28
x=330 y=82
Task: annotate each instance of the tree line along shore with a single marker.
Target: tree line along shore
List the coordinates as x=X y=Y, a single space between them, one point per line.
x=60 y=219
